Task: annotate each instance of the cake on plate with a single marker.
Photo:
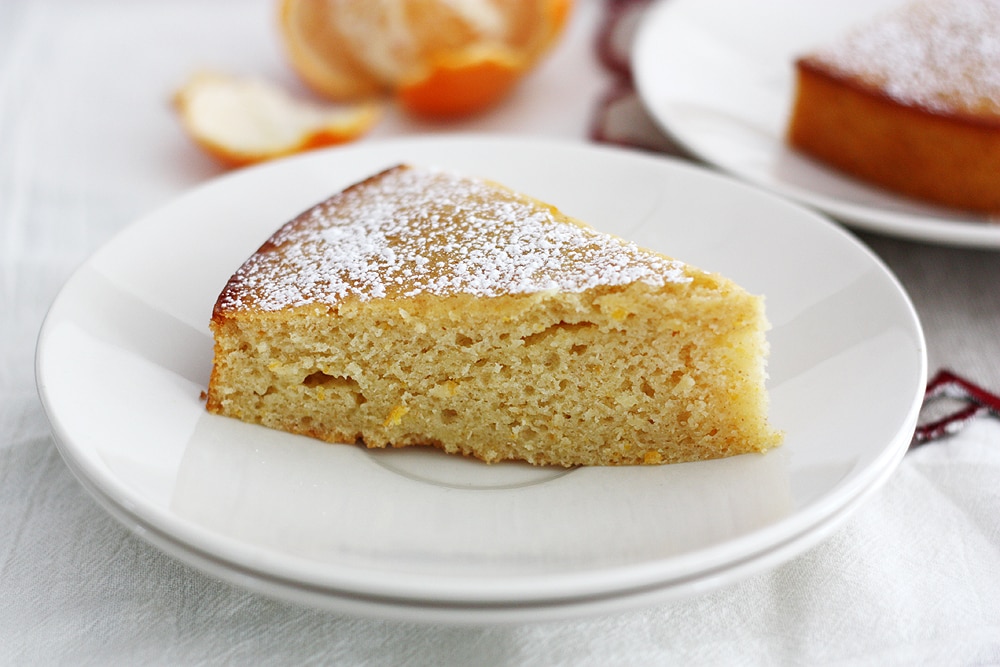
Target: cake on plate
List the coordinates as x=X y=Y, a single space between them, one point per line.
x=422 y=307
x=909 y=102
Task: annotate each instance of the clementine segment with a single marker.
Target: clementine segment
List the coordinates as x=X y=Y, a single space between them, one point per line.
x=316 y=49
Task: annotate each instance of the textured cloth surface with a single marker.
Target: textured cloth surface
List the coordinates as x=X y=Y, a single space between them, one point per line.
x=89 y=144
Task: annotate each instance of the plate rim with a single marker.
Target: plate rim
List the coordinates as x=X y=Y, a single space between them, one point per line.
x=971 y=232
x=80 y=466
x=469 y=613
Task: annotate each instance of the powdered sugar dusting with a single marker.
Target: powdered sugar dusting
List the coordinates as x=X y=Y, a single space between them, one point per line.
x=940 y=54
x=410 y=231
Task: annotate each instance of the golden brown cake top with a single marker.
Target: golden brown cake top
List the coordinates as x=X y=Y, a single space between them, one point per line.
x=943 y=55
x=408 y=231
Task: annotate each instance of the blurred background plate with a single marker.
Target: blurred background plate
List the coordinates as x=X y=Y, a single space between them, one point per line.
x=717 y=76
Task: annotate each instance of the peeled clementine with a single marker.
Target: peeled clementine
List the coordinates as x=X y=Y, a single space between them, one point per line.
x=241 y=120
x=440 y=58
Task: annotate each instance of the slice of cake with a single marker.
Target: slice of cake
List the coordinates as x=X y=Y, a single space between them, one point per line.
x=420 y=307
x=910 y=102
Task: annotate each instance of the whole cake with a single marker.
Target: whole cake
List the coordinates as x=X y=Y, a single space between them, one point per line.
x=910 y=102
x=420 y=307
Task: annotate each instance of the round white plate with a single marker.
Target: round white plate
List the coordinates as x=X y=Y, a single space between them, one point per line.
x=717 y=75
x=125 y=352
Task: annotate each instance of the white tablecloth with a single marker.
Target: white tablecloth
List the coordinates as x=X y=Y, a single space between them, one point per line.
x=88 y=143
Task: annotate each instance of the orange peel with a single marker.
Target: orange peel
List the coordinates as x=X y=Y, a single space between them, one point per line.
x=460 y=86
x=440 y=58
x=242 y=120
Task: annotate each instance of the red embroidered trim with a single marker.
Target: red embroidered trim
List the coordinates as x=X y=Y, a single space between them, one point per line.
x=602 y=116
x=617 y=13
x=946 y=384
x=613 y=44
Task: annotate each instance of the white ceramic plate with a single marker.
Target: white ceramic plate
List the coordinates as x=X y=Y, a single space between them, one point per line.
x=125 y=352
x=717 y=76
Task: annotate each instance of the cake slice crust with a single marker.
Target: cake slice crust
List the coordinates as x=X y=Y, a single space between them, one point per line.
x=423 y=308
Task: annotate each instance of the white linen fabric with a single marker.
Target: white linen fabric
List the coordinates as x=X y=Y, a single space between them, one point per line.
x=88 y=143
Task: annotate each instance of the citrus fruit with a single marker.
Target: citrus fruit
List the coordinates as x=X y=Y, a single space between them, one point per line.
x=245 y=120
x=440 y=58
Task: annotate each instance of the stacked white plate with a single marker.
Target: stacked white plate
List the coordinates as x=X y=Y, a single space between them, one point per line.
x=415 y=534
